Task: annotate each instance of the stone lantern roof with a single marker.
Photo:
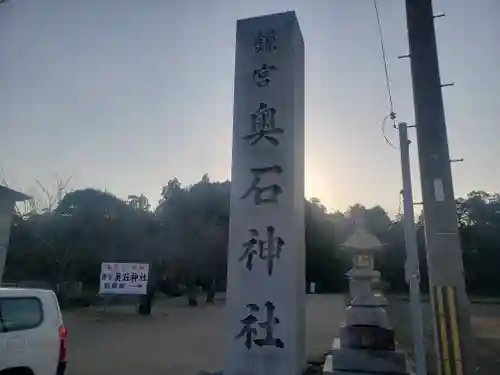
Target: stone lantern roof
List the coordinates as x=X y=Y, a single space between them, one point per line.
x=362 y=241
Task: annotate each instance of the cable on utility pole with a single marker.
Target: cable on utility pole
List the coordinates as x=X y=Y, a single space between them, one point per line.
x=384 y=121
x=400 y=213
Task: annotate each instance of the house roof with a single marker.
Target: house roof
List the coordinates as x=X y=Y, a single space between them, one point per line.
x=12 y=195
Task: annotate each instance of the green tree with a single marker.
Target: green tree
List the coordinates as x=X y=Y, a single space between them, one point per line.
x=195 y=222
x=139 y=202
x=323 y=265
x=479 y=221
x=65 y=236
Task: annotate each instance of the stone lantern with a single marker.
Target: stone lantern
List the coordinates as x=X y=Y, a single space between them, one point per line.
x=362 y=246
x=8 y=199
x=367 y=343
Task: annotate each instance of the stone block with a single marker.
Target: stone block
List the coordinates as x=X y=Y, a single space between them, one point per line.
x=367 y=337
x=368 y=361
x=363 y=315
x=362 y=273
x=373 y=300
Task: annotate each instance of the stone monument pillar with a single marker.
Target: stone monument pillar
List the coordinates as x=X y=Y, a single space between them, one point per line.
x=367 y=344
x=8 y=199
x=266 y=267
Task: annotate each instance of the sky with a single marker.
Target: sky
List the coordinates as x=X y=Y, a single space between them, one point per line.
x=123 y=95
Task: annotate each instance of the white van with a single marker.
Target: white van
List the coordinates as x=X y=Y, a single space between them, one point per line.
x=32 y=334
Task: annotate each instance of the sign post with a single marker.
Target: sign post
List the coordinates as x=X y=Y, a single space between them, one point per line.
x=124 y=278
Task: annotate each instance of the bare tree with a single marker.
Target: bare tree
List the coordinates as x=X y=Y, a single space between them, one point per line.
x=51 y=198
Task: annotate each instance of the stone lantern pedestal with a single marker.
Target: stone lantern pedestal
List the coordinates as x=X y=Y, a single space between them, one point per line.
x=367 y=344
x=8 y=199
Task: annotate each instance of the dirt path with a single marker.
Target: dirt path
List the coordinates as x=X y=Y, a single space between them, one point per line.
x=485 y=319
x=175 y=340
x=486 y=327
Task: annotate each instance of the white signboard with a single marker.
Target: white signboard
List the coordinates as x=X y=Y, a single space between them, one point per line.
x=124 y=278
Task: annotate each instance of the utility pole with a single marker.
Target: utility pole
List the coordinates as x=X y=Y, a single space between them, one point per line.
x=412 y=269
x=444 y=256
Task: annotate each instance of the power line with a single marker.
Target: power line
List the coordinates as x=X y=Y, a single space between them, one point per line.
x=392 y=114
